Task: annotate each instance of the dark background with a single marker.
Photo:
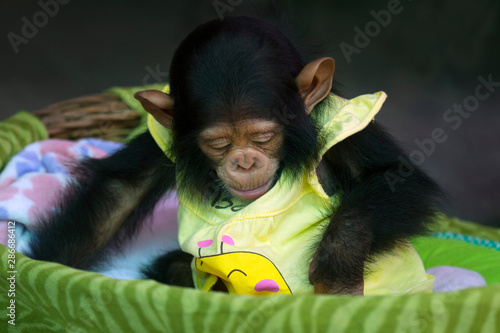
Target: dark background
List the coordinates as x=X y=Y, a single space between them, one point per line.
x=427 y=58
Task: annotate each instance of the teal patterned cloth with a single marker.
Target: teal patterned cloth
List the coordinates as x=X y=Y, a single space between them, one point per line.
x=487 y=243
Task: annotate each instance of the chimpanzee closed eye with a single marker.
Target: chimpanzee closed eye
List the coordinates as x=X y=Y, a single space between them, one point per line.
x=245 y=155
x=304 y=204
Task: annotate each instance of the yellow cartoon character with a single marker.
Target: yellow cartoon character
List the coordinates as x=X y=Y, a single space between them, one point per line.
x=241 y=272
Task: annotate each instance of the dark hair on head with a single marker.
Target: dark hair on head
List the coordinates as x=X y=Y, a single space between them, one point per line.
x=232 y=69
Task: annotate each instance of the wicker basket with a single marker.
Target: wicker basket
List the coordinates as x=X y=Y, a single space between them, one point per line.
x=102 y=116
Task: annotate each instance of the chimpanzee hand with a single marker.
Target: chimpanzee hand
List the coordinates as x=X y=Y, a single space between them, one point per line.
x=338 y=264
x=331 y=287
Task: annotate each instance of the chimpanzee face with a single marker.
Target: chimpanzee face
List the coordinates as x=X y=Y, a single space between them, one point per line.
x=245 y=154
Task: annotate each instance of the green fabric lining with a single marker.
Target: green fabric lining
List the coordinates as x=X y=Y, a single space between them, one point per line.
x=52 y=297
x=17 y=132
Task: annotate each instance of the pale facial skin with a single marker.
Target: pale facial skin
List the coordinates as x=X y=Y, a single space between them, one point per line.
x=245 y=154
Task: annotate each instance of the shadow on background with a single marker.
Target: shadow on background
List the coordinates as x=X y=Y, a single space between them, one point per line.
x=428 y=55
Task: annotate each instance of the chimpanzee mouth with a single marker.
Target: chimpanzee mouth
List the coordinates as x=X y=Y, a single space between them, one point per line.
x=251 y=194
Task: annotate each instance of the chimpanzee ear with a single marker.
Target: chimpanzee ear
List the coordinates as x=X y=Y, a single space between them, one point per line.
x=315 y=81
x=158 y=104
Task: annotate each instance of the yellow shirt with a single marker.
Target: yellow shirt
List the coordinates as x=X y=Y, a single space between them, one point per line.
x=265 y=247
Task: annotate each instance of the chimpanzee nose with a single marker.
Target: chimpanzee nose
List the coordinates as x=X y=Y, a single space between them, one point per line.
x=244 y=162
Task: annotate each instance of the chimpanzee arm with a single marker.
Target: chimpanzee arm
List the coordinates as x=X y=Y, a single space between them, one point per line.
x=106 y=204
x=379 y=208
